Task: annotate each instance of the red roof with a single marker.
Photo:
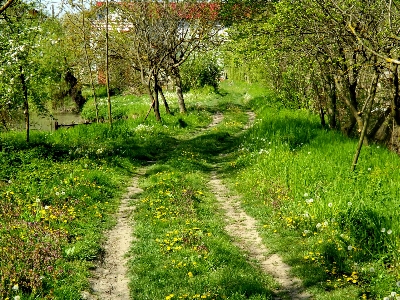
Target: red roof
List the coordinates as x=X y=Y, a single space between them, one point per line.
x=208 y=10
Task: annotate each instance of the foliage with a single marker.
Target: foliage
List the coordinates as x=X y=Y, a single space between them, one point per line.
x=200 y=71
x=323 y=56
x=32 y=60
x=65 y=187
x=18 y=66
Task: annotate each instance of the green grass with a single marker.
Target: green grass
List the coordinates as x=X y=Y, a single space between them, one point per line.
x=339 y=230
x=182 y=250
x=59 y=191
x=332 y=225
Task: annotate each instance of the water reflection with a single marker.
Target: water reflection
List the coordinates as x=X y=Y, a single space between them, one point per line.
x=46 y=123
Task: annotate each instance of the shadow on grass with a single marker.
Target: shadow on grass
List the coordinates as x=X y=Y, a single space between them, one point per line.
x=199 y=153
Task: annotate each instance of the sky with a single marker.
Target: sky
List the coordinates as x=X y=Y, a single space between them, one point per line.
x=56 y=3
x=59 y=8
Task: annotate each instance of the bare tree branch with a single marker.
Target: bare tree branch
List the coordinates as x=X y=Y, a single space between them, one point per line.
x=5 y=6
x=387 y=59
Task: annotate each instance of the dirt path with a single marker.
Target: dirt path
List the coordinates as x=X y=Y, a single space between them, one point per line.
x=110 y=281
x=251 y=120
x=217 y=118
x=243 y=229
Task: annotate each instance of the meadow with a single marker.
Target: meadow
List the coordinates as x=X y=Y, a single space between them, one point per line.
x=338 y=229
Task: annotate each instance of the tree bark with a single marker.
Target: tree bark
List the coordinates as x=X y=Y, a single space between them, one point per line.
x=178 y=85
x=355 y=118
x=167 y=110
x=367 y=113
x=156 y=101
x=26 y=103
x=153 y=100
x=378 y=124
x=333 y=104
x=320 y=95
x=350 y=80
x=108 y=70
x=5 y=6
x=396 y=95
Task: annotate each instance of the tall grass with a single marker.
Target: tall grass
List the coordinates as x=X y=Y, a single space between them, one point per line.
x=296 y=179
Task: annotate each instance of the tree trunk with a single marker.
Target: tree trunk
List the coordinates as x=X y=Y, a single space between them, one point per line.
x=333 y=104
x=153 y=100
x=355 y=118
x=322 y=116
x=26 y=103
x=396 y=95
x=350 y=80
x=367 y=113
x=178 y=85
x=156 y=102
x=89 y=64
x=378 y=124
x=168 y=111
x=320 y=96
x=108 y=70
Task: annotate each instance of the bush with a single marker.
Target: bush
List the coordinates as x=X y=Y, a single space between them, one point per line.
x=200 y=71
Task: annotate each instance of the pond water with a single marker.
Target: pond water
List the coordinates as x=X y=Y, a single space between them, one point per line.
x=46 y=123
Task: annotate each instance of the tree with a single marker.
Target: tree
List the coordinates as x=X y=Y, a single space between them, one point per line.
x=198 y=32
x=20 y=38
x=162 y=35
x=334 y=54
x=201 y=69
x=82 y=39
